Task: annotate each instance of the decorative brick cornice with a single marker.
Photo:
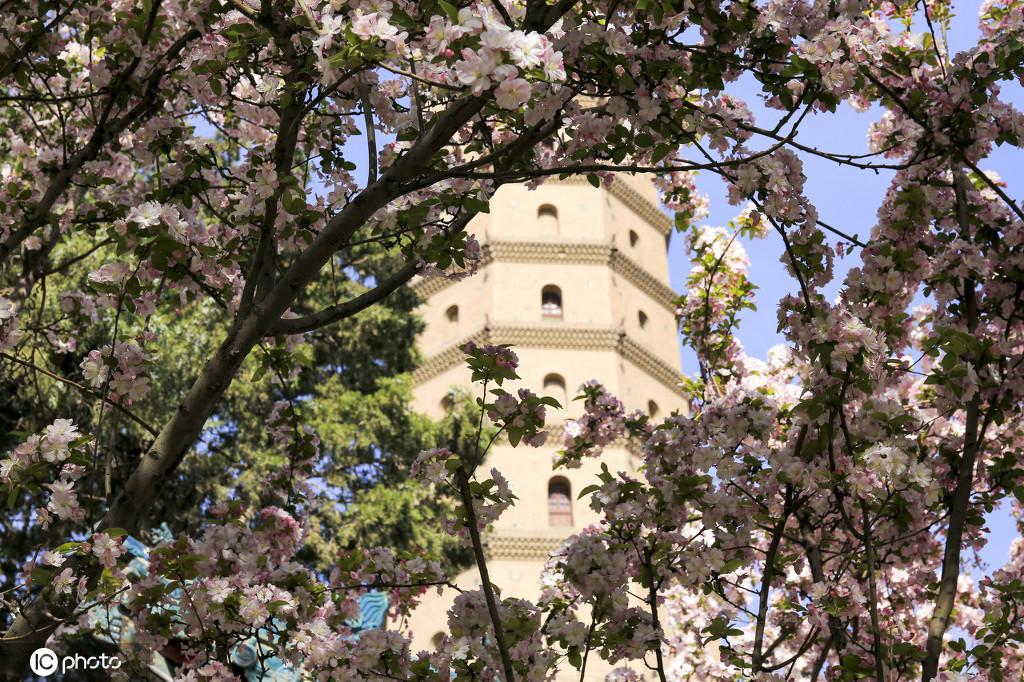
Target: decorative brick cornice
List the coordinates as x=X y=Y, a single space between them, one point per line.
x=425 y=288
x=556 y=432
x=647 y=361
x=549 y=252
x=555 y=336
x=643 y=280
x=564 y=252
x=635 y=201
x=503 y=545
x=449 y=357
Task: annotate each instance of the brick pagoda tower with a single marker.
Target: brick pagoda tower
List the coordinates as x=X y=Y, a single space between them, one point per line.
x=576 y=279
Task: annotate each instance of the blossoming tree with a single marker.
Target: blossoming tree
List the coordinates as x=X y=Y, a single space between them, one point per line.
x=811 y=516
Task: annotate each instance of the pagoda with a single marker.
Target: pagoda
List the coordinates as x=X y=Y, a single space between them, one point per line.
x=575 y=278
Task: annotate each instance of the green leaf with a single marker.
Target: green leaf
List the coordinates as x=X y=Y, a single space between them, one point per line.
x=293 y=202
x=338 y=60
x=476 y=205
x=21 y=77
x=660 y=152
x=449 y=9
x=593 y=179
x=276 y=604
x=41 y=575
x=239 y=31
x=236 y=52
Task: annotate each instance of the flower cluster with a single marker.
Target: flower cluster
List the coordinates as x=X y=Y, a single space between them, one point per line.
x=10 y=333
x=224 y=593
x=522 y=417
x=718 y=291
x=490 y=363
x=503 y=56
x=59 y=445
x=891 y=466
x=603 y=421
x=489 y=498
x=122 y=368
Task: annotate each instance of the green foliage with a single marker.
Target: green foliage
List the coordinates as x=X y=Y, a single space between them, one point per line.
x=354 y=389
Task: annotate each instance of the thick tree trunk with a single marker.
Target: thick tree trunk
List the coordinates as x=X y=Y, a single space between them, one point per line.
x=41 y=617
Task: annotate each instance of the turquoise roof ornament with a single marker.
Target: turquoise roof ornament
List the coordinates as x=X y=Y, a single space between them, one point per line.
x=373 y=610
x=258 y=663
x=255 y=656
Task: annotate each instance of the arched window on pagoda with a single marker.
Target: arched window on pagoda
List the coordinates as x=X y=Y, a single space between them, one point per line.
x=554 y=386
x=451 y=317
x=559 y=502
x=547 y=219
x=551 y=301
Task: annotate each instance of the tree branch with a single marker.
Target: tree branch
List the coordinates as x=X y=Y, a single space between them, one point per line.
x=876 y=628
x=87 y=391
x=652 y=600
x=371 y=131
x=766 y=580
x=946 y=596
x=327 y=316
x=481 y=563
x=504 y=13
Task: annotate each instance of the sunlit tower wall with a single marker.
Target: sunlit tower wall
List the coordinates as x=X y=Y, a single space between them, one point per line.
x=576 y=279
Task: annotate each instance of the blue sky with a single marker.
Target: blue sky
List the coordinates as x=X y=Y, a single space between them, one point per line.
x=845 y=198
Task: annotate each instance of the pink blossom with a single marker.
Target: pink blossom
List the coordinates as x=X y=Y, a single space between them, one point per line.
x=57 y=437
x=63 y=501
x=528 y=50
x=63 y=581
x=147 y=214
x=106 y=549
x=115 y=273
x=475 y=69
x=373 y=25
x=512 y=93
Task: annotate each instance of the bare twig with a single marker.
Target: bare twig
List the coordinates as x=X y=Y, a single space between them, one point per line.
x=87 y=391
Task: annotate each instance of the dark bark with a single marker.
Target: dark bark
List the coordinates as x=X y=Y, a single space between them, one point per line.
x=946 y=597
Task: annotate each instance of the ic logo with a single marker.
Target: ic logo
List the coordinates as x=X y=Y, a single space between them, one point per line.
x=43 y=662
